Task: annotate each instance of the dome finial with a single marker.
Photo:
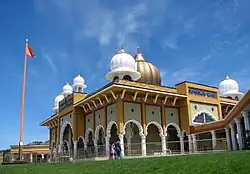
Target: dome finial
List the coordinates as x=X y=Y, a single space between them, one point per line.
x=138 y=56
x=138 y=50
x=121 y=49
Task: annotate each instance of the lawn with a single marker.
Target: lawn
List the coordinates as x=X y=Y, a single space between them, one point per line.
x=227 y=163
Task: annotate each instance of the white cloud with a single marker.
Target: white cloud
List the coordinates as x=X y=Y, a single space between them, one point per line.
x=172 y=40
x=205 y=58
x=105 y=24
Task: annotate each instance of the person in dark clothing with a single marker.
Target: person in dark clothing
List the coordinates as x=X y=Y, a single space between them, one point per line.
x=118 y=150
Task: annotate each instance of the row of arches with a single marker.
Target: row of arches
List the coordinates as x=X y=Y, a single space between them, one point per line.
x=132 y=132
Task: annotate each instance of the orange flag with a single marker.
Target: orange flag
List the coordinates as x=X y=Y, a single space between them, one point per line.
x=29 y=51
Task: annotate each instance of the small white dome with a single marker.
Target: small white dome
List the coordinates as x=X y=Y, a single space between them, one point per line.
x=229 y=87
x=122 y=64
x=78 y=80
x=59 y=98
x=67 y=89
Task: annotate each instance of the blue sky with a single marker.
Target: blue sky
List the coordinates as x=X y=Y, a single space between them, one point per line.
x=194 y=40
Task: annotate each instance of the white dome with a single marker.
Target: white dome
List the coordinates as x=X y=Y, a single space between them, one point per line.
x=67 y=89
x=59 y=98
x=122 y=60
x=78 y=80
x=229 y=87
x=122 y=64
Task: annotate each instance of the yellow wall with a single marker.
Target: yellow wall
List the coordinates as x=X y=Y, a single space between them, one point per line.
x=120 y=110
x=80 y=122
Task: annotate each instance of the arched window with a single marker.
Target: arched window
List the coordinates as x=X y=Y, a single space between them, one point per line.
x=127 y=77
x=203 y=117
x=116 y=79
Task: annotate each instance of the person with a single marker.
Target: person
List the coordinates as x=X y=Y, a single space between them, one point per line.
x=112 y=151
x=118 y=150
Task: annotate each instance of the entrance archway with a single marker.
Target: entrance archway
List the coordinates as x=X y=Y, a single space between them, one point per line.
x=113 y=132
x=173 y=140
x=67 y=140
x=132 y=139
x=99 y=136
x=153 y=138
x=80 y=148
x=90 y=143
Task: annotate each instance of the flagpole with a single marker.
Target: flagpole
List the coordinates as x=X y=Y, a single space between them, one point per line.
x=23 y=102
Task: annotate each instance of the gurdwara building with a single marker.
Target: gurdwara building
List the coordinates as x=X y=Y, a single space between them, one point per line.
x=145 y=116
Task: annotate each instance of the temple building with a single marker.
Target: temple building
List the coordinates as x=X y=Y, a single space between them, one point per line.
x=34 y=152
x=145 y=116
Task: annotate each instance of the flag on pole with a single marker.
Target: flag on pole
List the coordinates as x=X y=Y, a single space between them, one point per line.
x=29 y=51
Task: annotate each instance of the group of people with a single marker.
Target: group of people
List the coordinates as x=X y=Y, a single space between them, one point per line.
x=115 y=150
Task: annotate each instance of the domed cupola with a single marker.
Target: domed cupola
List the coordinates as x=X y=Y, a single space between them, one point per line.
x=79 y=84
x=59 y=98
x=229 y=88
x=122 y=66
x=67 y=89
x=149 y=73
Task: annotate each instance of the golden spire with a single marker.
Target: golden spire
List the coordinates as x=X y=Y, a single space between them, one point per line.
x=138 y=56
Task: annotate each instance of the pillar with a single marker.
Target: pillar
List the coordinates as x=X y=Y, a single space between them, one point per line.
x=233 y=136
x=190 y=144
x=31 y=158
x=182 y=144
x=60 y=148
x=70 y=144
x=214 y=141
x=246 y=122
x=107 y=138
x=75 y=149
x=163 y=144
x=194 y=143
x=240 y=133
x=143 y=145
x=121 y=137
x=229 y=147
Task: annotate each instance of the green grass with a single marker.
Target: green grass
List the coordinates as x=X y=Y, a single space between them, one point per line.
x=227 y=163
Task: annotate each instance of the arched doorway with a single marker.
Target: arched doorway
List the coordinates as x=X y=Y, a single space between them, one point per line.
x=90 y=144
x=67 y=140
x=153 y=139
x=100 y=141
x=113 y=132
x=132 y=139
x=173 y=140
x=80 y=148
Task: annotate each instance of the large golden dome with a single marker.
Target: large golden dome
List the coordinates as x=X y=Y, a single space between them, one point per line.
x=149 y=73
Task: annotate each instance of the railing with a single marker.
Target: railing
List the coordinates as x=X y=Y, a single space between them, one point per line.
x=134 y=149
